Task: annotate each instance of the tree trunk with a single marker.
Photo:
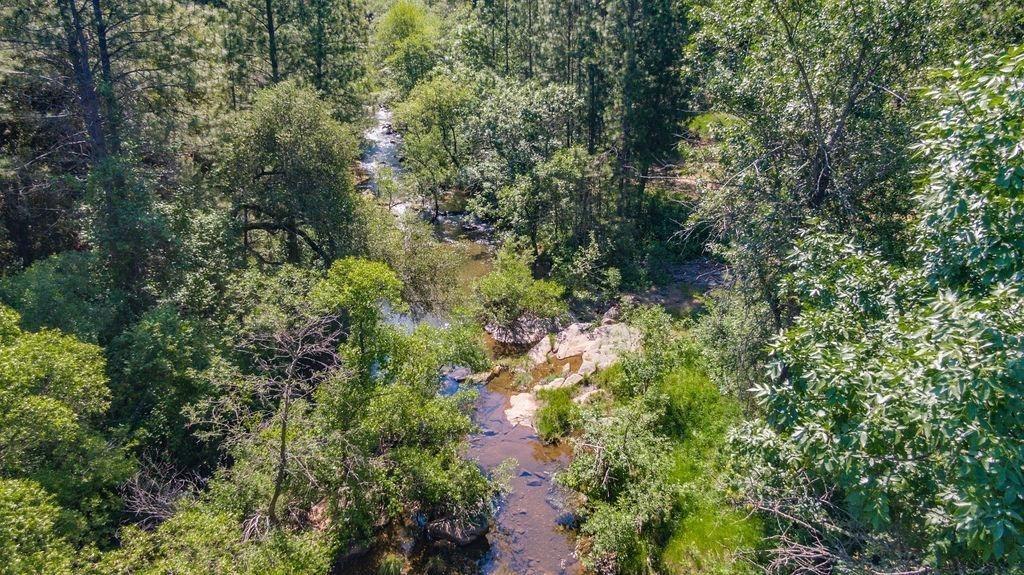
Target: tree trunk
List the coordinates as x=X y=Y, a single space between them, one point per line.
x=275 y=75
x=294 y=254
x=282 y=458
x=107 y=88
x=78 y=53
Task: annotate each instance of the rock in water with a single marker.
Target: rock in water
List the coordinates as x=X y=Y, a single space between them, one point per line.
x=459 y=373
x=458 y=532
x=524 y=407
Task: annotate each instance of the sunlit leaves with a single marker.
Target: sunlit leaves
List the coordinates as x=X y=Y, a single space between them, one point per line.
x=973 y=232
x=902 y=385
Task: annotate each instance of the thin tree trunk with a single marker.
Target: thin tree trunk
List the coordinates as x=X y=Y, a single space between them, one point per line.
x=78 y=52
x=282 y=458
x=107 y=89
x=275 y=76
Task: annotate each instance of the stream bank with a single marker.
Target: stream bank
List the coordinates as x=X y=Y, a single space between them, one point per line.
x=527 y=535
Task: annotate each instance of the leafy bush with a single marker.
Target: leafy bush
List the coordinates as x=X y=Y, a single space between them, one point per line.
x=899 y=387
x=427 y=268
x=67 y=291
x=650 y=467
x=53 y=395
x=362 y=291
x=557 y=417
x=155 y=369
x=509 y=297
x=30 y=541
x=406 y=42
x=204 y=539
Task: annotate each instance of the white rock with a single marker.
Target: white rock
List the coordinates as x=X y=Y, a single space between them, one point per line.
x=523 y=408
x=573 y=379
x=571 y=341
x=587 y=367
x=568 y=381
x=553 y=384
x=588 y=395
x=606 y=342
x=539 y=353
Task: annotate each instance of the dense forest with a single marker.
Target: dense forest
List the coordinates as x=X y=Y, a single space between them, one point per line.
x=691 y=287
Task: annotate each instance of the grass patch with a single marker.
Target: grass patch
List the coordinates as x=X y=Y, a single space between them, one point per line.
x=696 y=410
x=709 y=534
x=606 y=377
x=709 y=540
x=391 y=564
x=558 y=416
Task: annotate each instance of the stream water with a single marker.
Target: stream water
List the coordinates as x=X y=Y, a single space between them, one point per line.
x=527 y=536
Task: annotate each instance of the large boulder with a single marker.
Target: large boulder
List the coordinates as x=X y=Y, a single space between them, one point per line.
x=524 y=331
x=538 y=354
x=602 y=345
x=567 y=381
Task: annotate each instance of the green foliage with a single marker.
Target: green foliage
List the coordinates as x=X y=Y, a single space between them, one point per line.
x=418 y=356
x=427 y=268
x=514 y=127
x=900 y=385
x=53 y=394
x=707 y=540
x=30 y=540
x=621 y=474
x=734 y=330
x=360 y=289
x=556 y=210
x=431 y=119
x=366 y=441
x=202 y=539
x=155 y=369
x=558 y=416
x=258 y=301
x=406 y=40
x=67 y=291
x=317 y=42
x=9 y=329
x=650 y=466
x=509 y=295
x=53 y=387
x=287 y=170
x=808 y=133
x=973 y=201
x=128 y=232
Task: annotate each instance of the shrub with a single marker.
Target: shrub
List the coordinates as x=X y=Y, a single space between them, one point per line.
x=559 y=414
x=67 y=291
x=509 y=297
x=29 y=542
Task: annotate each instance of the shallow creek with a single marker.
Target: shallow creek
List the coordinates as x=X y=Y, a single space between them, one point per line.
x=526 y=536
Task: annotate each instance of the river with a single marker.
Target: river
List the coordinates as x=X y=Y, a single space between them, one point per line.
x=526 y=536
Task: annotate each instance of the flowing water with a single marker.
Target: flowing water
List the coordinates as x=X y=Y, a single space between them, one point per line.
x=527 y=536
